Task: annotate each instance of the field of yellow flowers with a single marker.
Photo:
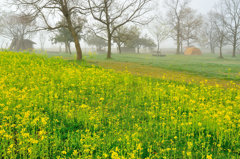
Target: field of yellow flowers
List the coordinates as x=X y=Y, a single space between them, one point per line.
x=53 y=108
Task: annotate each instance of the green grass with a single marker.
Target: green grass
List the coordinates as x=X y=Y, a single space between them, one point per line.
x=207 y=65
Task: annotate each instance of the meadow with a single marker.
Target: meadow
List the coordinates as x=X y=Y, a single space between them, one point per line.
x=207 y=65
x=55 y=108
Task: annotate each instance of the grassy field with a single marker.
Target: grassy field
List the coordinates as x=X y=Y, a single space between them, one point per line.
x=207 y=65
x=55 y=108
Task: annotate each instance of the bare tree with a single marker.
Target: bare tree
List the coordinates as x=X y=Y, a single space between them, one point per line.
x=220 y=28
x=17 y=26
x=112 y=14
x=42 y=39
x=192 y=23
x=231 y=18
x=208 y=33
x=160 y=32
x=175 y=17
x=48 y=10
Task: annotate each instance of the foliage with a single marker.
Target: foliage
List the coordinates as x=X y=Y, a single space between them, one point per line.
x=52 y=108
x=96 y=41
x=123 y=34
x=138 y=42
x=111 y=15
x=63 y=34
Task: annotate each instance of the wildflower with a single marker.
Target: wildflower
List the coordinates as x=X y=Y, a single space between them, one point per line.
x=209 y=156
x=139 y=147
x=11 y=146
x=75 y=152
x=189 y=154
x=114 y=155
x=64 y=152
x=190 y=144
x=199 y=124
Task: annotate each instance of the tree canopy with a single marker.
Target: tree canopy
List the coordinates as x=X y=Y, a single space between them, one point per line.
x=112 y=14
x=63 y=34
x=96 y=41
x=138 y=42
x=124 y=34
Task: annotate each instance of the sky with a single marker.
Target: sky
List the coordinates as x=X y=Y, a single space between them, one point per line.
x=202 y=6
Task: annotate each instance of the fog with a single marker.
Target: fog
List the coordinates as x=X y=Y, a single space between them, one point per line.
x=202 y=6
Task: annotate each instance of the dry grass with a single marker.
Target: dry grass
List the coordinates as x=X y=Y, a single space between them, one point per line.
x=156 y=72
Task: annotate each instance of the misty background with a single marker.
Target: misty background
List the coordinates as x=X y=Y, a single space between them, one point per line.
x=167 y=46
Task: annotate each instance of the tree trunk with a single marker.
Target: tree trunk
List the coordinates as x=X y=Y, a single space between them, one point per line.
x=42 y=48
x=119 y=48
x=178 y=37
x=234 y=46
x=221 y=53
x=158 y=48
x=78 y=47
x=12 y=44
x=69 y=49
x=109 y=43
x=212 y=50
x=181 y=48
x=138 y=49
x=75 y=38
x=178 y=46
x=66 y=47
x=109 y=47
x=234 y=51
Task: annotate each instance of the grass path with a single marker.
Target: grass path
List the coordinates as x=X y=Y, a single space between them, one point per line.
x=156 y=72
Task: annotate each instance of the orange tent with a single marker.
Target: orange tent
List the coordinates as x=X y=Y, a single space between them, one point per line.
x=192 y=51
